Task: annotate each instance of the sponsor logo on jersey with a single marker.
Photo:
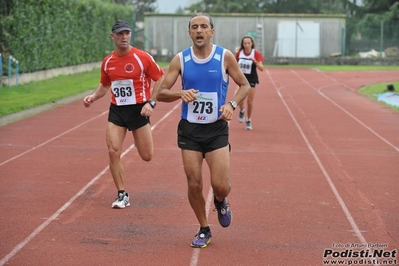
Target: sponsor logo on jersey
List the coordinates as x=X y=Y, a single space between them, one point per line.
x=129 y=68
x=202 y=118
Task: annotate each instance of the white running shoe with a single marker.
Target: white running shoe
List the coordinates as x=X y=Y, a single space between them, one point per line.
x=241 y=116
x=121 y=201
x=248 y=125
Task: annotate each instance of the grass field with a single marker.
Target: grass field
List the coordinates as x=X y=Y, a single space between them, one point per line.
x=25 y=96
x=373 y=90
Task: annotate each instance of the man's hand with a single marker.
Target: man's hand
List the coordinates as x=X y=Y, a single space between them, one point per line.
x=189 y=96
x=227 y=112
x=146 y=110
x=88 y=100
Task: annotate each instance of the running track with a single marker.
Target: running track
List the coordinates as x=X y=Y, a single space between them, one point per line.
x=319 y=169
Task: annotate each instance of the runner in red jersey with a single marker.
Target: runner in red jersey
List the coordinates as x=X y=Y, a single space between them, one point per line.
x=131 y=72
x=127 y=72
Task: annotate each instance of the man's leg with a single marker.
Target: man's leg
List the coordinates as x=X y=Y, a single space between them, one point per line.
x=144 y=142
x=114 y=137
x=219 y=164
x=192 y=163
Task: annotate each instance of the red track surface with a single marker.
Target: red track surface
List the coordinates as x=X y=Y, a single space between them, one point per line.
x=320 y=168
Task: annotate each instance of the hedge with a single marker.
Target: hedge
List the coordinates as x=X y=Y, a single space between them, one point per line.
x=45 y=34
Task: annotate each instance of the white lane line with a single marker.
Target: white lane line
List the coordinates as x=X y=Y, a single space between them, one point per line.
x=209 y=199
x=53 y=217
x=196 y=251
x=341 y=202
x=50 y=140
x=345 y=111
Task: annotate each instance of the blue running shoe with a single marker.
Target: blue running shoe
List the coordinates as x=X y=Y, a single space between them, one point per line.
x=225 y=214
x=201 y=239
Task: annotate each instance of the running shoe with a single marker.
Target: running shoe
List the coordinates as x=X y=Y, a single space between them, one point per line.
x=241 y=115
x=225 y=214
x=121 y=201
x=201 y=239
x=248 y=125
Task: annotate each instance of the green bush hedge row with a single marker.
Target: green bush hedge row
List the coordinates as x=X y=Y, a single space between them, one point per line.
x=44 y=34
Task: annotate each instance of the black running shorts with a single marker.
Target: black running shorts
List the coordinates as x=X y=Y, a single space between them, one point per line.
x=252 y=84
x=127 y=116
x=202 y=137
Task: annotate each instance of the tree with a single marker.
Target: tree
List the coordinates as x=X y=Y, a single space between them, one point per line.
x=386 y=10
x=142 y=6
x=179 y=10
x=379 y=13
x=269 y=6
x=5 y=23
x=139 y=7
x=227 y=6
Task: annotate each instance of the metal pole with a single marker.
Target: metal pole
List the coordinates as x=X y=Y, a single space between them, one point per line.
x=133 y=37
x=382 y=37
x=343 y=41
x=9 y=71
x=154 y=36
x=296 y=37
x=174 y=37
x=16 y=72
x=1 y=71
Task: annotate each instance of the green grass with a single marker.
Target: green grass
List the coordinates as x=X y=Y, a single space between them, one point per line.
x=372 y=91
x=369 y=91
x=25 y=96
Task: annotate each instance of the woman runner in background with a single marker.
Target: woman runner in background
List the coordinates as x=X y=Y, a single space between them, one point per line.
x=249 y=59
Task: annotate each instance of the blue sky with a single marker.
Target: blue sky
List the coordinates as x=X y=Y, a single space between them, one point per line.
x=170 y=6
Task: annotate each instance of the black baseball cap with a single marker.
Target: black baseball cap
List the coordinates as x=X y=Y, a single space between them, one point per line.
x=120 y=25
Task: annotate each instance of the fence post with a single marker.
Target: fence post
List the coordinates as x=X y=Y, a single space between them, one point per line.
x=9 y=71
x=343 y=41
x=16 y=72
x=10 y=60
x=382 y=38
x=1 y=71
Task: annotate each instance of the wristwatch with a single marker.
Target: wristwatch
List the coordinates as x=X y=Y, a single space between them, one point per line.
x=233 y=104
x=152 y=103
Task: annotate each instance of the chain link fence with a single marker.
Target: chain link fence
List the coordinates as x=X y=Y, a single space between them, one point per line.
x=275 y=35
x=278 y=35
x=372 y=39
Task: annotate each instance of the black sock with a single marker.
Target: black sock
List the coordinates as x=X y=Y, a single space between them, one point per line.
x=121 y=191
x=216 y=201
x=205 y=229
